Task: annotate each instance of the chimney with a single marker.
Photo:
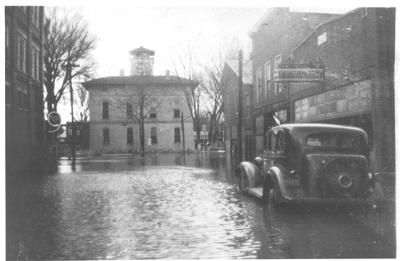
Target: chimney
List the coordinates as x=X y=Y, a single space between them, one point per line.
x=167 y=74
x=121 y=72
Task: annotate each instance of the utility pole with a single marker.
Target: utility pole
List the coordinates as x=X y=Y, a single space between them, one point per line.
x=72 y=142
x=240 y=108
x=183 y=138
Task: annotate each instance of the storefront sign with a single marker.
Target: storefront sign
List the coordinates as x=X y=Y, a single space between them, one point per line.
x=340 y=102
x=298 y=74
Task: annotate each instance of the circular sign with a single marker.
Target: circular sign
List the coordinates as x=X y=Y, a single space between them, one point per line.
x=54 y=119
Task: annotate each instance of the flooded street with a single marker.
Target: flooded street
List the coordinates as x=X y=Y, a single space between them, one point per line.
x=165 y=206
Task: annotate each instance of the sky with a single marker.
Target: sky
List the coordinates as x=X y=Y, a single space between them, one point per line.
x=169 y=31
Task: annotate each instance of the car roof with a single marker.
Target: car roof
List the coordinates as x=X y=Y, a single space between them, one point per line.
x=306 y=128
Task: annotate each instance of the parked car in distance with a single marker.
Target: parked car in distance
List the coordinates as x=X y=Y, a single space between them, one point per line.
x=310 y=163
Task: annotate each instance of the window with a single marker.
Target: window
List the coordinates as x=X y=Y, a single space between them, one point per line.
x=177 y=113
x=7 y=43
x=129 y=112
x=35 y=62
x=176 y=106
x=22 y=99
x=153 y=135
x=235 y=100
x=281 y=142
x=153 y=112
x=35 y=15
x=259 y=84
x=21 y=52
x=177 y=135
x=267 y=87
x=278 y=86
x=247 y=106
x=105 y=110
x=129 y=136
x=8 y=94
x=322 y=38
x=106 y=136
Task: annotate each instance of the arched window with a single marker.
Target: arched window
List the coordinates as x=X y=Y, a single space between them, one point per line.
x=176 y=108
x=153 y=111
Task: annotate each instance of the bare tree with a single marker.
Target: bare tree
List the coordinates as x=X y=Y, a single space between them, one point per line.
x=185 y=68
x=212 y=87
x=82 y=103
x=66 y=54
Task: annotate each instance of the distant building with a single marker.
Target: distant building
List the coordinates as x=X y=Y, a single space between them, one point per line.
x=114 y=105
x=229 y=83
x=24 y=34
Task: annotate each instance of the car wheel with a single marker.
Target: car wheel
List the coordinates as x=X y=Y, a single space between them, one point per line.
x=242 y=180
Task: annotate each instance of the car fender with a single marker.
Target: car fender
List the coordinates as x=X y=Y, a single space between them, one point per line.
x=250 y=170
x=278 y=177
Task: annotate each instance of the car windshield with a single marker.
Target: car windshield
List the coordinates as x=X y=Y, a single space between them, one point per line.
x=334 y=141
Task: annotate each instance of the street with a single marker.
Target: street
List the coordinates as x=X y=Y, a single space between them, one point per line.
x=167 y=206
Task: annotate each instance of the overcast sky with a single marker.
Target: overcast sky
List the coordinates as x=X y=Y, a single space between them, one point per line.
x=169 y=31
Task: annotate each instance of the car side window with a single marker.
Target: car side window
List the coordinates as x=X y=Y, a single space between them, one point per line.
x=280 y=142
x=272 y=144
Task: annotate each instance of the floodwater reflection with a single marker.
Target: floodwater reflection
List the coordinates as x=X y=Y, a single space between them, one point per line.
x=163 y=206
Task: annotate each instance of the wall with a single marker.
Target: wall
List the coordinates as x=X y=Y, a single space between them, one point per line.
x=117 y=97
x=24 y=95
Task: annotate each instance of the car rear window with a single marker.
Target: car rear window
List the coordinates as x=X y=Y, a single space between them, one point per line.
x=334 y=141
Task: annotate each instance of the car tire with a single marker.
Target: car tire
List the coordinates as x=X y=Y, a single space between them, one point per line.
x=242 y=180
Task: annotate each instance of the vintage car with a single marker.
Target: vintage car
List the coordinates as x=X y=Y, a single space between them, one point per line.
x=310 y=163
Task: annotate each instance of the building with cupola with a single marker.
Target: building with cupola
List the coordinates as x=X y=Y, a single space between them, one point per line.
x=118 y=105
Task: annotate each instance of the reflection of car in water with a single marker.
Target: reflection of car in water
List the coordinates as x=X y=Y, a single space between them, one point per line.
x=310 y=163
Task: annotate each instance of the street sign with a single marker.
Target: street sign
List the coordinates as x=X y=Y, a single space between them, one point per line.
x=54 y=119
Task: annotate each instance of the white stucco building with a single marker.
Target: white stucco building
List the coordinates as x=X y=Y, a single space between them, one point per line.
x=114 y=104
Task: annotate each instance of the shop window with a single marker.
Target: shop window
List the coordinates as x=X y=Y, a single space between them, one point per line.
x=129 y=112
x=153 y=135
x=177 y=135
x=106 y=136
x=105 y=110
x=129 y=136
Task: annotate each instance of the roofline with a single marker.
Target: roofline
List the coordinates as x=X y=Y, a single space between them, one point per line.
x=325 y=23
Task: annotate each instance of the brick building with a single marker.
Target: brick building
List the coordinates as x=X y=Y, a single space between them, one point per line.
x=356 y=51
x=24 y=35
x=115 y=111
x=274 y=37
x=229 y=84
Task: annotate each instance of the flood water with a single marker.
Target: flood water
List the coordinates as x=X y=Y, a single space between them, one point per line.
x=165 y=206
